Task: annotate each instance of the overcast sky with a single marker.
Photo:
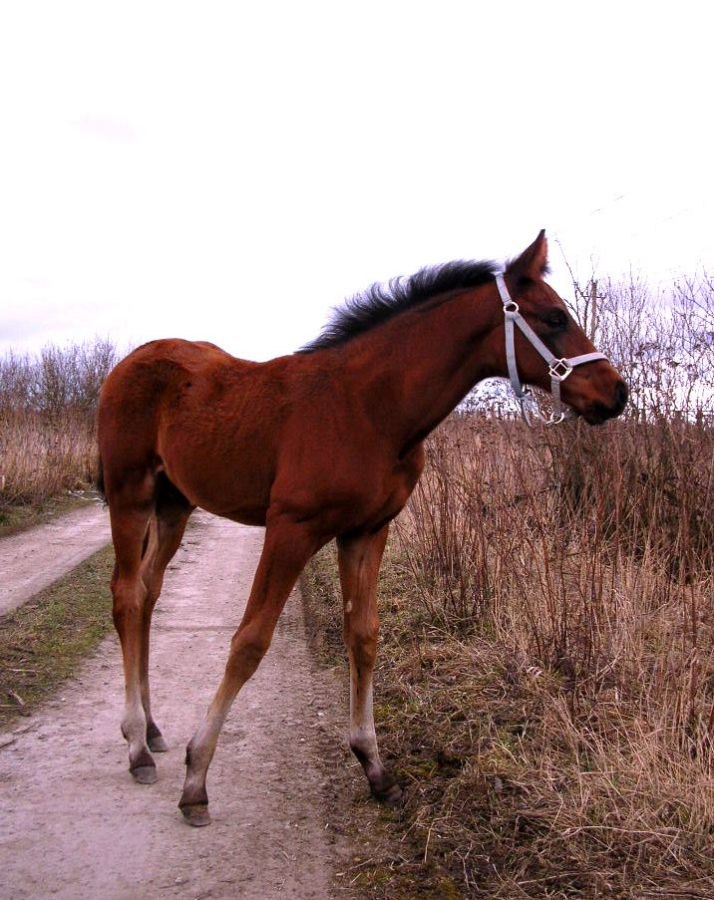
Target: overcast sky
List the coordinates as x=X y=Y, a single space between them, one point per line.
x=229 y=171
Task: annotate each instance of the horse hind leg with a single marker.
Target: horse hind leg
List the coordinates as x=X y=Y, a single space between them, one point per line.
x=359 y=560
x=130 y=521
x=163 y=540
x=154 y=738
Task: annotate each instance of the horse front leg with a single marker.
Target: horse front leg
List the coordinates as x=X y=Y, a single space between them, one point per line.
x=287 y=548
x=359 y=560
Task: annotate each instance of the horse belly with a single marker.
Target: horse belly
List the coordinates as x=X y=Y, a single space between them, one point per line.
x=232 y=481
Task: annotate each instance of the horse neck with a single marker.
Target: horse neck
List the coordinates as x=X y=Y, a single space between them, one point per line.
x=421 y=364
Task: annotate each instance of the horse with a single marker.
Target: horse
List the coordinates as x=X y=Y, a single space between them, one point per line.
x=326 y=443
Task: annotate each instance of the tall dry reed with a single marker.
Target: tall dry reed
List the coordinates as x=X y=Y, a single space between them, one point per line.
x=47 y=407
x=586 y=558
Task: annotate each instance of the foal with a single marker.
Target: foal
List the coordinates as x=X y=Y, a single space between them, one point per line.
x=323 y=444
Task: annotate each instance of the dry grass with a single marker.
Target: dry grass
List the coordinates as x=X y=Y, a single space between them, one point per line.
x=41 y=458
x=545 y=684
x=47 y=405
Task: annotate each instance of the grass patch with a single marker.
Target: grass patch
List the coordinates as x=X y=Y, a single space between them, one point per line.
x=43 y=642
x=17 y=518
x=511 y=792
x=516 y=785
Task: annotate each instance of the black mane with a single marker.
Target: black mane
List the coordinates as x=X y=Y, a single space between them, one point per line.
x=380 y=302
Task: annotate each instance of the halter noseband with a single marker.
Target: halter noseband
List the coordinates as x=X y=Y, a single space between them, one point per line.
x=558 y=369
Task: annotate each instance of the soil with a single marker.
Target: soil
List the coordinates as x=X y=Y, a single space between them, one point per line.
x=76 y=825
x=32 y=560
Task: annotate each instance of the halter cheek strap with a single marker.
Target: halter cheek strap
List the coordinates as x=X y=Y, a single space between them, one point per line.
x=558 y=369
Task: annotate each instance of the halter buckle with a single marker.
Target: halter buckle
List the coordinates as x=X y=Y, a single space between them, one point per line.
x=559 y=369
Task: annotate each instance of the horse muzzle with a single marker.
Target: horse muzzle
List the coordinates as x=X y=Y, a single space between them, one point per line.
x=597 y=411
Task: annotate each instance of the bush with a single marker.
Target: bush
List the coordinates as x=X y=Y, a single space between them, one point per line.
x=47 y=409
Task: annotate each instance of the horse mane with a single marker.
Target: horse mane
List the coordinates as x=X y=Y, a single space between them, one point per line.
x=380 y=302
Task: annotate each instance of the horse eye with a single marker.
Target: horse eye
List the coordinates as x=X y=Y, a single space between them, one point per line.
x=556 y=318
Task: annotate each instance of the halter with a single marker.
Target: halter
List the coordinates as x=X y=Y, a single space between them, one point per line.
x=558 y=369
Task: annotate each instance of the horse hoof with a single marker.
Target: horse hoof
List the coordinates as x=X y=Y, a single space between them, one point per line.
x=390 y=796
x=157 y=744
x=196 y=814
x=144 y=774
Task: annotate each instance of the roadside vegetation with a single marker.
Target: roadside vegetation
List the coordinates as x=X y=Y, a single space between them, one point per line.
x=545 y=681
x=43 y=641
x=47 y=443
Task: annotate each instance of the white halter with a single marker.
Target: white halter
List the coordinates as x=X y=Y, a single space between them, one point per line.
x=558 y=369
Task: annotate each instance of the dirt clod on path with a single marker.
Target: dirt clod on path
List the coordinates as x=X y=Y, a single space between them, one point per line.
x=34 y=559
x=76 y=825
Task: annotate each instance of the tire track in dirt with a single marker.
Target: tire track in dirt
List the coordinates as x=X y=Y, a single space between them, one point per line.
x=32 y=560
x=74 y=823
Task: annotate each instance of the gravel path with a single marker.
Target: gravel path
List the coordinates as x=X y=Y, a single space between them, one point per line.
x=74 y=823
x=33 y=559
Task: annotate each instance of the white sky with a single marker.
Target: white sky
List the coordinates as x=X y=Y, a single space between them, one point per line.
x=230 y=171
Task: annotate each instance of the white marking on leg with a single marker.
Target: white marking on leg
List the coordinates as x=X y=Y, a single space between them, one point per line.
x=133 y=728
x=203 y=744
x=363 y=735
x=134 y=722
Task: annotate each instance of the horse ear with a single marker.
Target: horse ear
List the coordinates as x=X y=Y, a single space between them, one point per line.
x=533 y=262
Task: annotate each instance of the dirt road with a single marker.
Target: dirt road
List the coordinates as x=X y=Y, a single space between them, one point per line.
x=75 y=825
x=32 y=560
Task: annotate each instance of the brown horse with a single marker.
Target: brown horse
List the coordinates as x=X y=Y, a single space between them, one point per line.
x=326 y=443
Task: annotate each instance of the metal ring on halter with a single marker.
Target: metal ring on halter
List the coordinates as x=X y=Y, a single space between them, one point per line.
x=556 y=418
x=511 y=307
x=559 y=369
